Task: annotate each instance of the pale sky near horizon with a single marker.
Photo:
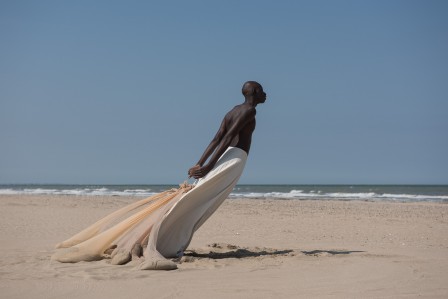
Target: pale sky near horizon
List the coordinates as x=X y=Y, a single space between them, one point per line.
x=122 y=92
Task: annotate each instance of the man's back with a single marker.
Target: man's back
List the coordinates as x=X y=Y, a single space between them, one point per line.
x=243 y=138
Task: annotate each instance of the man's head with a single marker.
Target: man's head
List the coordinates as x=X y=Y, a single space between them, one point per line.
x=254 y=90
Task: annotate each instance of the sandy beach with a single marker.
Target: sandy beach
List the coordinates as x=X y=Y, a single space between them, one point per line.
x=248 y=249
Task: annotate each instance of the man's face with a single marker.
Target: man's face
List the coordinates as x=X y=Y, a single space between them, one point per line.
x=260 y=95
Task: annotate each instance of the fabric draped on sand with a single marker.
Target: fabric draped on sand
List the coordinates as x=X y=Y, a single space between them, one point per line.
x=159 y=227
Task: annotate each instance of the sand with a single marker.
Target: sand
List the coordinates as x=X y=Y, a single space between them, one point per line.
x=248 y=249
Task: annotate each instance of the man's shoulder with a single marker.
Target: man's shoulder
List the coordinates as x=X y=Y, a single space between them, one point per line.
x=245 y=109
x=241 y=112
x=251 y=111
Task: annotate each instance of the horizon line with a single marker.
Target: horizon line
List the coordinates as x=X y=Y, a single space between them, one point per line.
x=256 y=184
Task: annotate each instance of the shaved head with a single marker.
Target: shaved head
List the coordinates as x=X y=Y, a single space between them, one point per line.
x=249 y=88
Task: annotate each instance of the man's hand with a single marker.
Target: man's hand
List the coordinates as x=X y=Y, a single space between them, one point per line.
x=199 y=171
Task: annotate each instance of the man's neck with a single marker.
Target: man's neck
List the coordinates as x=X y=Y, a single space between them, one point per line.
x=251 y=102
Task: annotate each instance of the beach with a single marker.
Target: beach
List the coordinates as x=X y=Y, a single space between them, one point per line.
x=250 y=248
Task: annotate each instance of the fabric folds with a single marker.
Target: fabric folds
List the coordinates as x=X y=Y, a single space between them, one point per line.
x=158 y=227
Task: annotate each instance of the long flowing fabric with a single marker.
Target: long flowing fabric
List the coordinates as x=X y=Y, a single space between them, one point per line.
x=157 y=227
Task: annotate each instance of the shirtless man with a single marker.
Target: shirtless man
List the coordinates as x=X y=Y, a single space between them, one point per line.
x=236 y=129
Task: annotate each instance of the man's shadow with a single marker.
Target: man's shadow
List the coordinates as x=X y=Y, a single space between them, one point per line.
x=330 y=252
x=238 y=253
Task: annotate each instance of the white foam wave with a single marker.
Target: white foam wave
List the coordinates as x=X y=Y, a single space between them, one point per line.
x=80 y=192
x=299 y=194
x=293 y=194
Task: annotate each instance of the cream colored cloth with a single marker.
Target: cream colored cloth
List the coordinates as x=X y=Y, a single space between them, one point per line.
x=157 y=227
x=196 y=206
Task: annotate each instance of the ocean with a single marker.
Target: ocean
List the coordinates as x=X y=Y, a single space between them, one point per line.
x=397 y=193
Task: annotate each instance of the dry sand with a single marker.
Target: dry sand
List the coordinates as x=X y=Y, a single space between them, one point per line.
x=247 y=249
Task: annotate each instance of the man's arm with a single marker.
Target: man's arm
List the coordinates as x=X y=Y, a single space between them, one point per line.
x=221 y=143
x=213 y=144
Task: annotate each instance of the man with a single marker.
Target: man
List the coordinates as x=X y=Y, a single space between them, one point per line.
x=165 y=227
x=228 y=154
x=236 y=129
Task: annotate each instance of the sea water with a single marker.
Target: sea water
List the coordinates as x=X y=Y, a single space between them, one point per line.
x=400 y=193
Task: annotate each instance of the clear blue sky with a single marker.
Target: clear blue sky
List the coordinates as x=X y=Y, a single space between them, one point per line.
x=133 y=91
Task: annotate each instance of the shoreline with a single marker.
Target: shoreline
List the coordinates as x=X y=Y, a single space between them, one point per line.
x=131 y=198
x=392 y=193
x=249 y=248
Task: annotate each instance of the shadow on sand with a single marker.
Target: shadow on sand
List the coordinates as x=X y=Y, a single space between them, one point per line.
x=329 y=252
x=223 y=251
x=238 y=253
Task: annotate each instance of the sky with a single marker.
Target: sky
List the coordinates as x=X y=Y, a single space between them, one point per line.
x=131 y=92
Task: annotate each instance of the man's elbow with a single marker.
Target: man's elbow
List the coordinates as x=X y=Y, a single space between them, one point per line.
x=217 y=139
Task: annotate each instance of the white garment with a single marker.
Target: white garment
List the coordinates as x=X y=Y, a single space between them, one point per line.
x=197 y=205
x=163 y=223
